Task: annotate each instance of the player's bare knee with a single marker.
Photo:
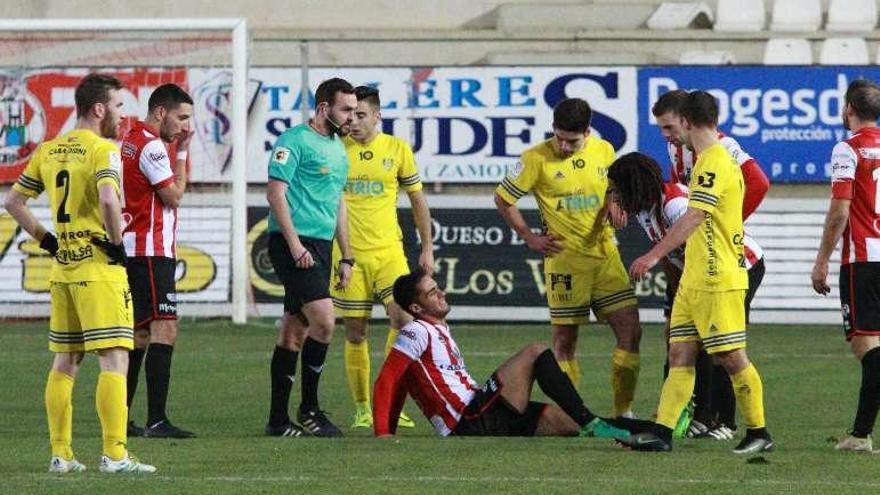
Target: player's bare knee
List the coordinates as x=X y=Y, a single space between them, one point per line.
x=67 y=362
x=290 y=337
x=322 y=330
x=732 y=361
x=114 y=360
x=355 y=330
x=163 y=332
x=141 y=338
x=535 y=349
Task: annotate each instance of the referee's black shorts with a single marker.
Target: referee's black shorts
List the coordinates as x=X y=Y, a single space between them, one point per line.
x=301 y=286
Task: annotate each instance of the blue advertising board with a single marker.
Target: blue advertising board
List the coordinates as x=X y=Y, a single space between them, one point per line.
x=787 y=118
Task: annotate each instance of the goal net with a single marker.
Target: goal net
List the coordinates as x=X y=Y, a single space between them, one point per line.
x=41 y=62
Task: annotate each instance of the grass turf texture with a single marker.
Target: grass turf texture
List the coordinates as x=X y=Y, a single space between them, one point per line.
x=220 y=390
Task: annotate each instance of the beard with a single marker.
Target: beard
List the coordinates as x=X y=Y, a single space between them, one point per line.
x=109 y=127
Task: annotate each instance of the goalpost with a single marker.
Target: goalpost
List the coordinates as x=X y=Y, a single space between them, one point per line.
x=40 y=63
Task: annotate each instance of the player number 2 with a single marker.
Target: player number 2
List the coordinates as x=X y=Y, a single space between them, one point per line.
x=63 y=180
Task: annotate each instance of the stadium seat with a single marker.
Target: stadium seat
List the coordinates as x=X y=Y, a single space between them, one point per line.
x=706 y=57
x=534 y=16
x=796 y=15
x=852 y=15
x=788 y=51
x=844 y=51
x=579 y=57
x=671 y=15
x=740 y=15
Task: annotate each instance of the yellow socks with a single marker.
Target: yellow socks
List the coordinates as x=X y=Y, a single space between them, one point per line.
x=113 y=413
x=676 y=392
x=389 y=341
x=59 y=411
x=624 y=376
x=749 y=393
x=570 y=367
x=357 y=368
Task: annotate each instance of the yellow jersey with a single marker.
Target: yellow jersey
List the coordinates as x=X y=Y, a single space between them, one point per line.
x=570 y=192
x=713 y=256
x=70 y=168
x=376 y=172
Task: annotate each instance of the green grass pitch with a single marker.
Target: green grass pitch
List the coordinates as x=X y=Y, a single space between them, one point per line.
x=220 y=390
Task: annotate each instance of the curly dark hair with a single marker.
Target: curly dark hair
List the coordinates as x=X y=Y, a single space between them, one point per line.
x=638 y=183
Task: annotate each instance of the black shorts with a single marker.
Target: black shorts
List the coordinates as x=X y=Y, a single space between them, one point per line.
x=301 y=286
x=756 y=275
x=153 y=293
x=488 y=414
x=860 y=298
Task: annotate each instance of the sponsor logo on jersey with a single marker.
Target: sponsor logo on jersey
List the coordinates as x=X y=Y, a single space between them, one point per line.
x=159 y=156
x=280 y=155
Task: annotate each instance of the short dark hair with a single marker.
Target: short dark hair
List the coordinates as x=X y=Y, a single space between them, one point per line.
x=327 y=90
x=700 y=109
x=572 y=115
x=368 y=94
x=168 y=96
x=406 y=289
x=669 y=101
x=94 y=89
x=864 y=98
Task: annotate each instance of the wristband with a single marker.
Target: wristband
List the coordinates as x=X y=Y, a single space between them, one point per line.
x=347 y=261
x=182 y=155
x=304 y=253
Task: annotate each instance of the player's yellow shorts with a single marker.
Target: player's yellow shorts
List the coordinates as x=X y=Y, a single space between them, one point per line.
x=717 y=319
x=576 y=283
x=89 y=316
x=373 y=276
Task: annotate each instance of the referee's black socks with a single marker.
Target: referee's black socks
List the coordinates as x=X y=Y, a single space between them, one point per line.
x=869 y=394
x=282 y=371
x=314 y=354
x=558 y=387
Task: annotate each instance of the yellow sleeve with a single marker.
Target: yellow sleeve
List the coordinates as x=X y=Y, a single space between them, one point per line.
x=408 y=174
x=108 y=164
x=30 y=182
x=522 y=181
x=708 y=181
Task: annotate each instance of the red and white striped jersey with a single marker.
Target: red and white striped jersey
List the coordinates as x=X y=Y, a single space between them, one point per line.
x=675 y=204
x=150 y=226
x=436 y=378
x=855 y=175
x=682 y=158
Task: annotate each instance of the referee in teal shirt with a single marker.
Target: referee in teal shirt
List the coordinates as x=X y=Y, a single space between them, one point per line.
x=307 y=172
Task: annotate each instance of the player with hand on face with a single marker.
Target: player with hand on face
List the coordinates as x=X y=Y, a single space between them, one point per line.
x=153 y=192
